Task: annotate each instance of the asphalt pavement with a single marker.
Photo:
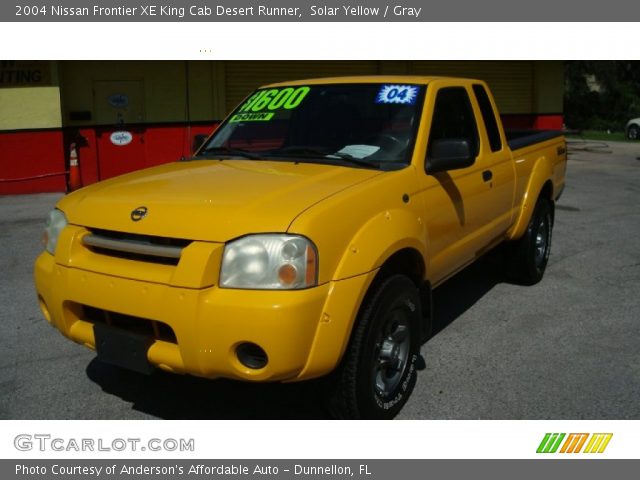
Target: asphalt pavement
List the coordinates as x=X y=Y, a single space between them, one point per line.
x=567 y=348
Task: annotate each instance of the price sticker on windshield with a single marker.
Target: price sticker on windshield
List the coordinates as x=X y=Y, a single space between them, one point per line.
x=402 y=94
x=275 y=99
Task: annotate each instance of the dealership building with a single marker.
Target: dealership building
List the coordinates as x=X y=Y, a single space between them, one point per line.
x=127 y=115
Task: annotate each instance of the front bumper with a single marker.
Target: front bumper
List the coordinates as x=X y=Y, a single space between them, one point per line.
x=303 y=332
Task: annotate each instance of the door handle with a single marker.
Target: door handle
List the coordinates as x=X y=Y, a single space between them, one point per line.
x=487 y=175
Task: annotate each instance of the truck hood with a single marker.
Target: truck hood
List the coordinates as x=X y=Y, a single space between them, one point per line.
x=210 y=200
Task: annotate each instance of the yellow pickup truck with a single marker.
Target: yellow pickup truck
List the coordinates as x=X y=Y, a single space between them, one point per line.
x=304 y=237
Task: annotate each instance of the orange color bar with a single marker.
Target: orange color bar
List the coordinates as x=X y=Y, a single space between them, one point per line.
x=582 y=440
x=566 y=443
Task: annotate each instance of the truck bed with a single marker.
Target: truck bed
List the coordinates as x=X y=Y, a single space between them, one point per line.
x=523 y=138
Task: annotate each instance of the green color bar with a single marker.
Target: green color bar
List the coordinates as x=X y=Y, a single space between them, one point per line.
x=558 y=442
x=543 y=443
x=550 y=442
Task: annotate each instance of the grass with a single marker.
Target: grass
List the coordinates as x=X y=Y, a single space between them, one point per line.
x=600 y=136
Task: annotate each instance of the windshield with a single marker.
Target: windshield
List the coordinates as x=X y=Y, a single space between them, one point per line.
x=367 y=125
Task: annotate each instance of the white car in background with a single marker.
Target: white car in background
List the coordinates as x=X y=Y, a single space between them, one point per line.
x=633 y=129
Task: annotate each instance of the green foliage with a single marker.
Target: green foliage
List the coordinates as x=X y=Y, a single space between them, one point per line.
x=599 y=135
x=616 y=102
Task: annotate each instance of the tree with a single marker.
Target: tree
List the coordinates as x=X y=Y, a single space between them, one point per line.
x=601 y=95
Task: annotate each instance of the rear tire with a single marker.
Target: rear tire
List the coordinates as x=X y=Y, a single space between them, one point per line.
x=379 y=369
x=527 y=258
x=633 y=133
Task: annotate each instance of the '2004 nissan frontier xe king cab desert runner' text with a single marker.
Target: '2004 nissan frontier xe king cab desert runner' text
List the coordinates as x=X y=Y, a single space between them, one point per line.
x=304 y=237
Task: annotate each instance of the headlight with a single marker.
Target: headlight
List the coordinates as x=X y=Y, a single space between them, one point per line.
x=56 y=221
x=269 y=262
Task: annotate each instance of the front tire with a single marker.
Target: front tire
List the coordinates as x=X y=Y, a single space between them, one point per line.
x=379 y=369
x=633 y=133
x=528 y=256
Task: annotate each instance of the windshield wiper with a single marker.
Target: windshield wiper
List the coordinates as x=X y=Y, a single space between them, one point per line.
x=351 y=159
x=317 y=153
x=237 y=152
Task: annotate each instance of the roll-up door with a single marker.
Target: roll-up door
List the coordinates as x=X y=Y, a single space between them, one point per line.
x=241 y=77
x=510 y=81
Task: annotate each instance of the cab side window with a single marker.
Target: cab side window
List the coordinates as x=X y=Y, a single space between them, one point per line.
x=489 y=117
x=453 y=118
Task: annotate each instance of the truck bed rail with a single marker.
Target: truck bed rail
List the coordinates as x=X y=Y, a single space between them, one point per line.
x=523 y=138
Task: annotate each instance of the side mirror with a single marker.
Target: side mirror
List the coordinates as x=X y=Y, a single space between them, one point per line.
x=449 y=154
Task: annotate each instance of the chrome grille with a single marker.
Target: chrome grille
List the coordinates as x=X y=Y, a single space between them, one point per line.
x=136 y=247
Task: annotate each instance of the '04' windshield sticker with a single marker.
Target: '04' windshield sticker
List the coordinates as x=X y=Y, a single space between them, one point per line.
x=274 y=99
x=404 y=94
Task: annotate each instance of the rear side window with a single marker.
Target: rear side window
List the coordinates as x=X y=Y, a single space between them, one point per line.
x=489 y=117
x=453 y=118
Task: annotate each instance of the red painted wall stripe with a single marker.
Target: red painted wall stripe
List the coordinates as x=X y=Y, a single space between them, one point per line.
x=552 y=121
x=32 y=161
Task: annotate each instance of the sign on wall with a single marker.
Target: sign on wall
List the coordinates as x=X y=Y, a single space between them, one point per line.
x=118 y=100
x=121 y=138
x=17 y=73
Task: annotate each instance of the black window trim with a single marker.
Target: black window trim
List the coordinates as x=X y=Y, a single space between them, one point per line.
x=493 y=120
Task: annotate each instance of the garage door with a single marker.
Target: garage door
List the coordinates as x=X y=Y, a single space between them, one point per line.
x=243 y=77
